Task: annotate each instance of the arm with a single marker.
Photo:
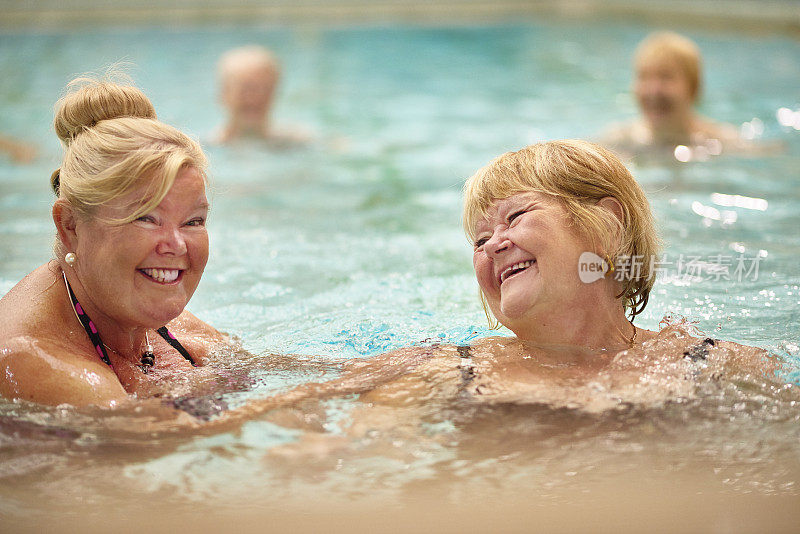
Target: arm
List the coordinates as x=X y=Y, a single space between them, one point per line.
x=359 y=376
x=29 y=371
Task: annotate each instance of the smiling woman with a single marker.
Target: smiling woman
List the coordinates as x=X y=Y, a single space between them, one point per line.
x=95 y=324
x=534 y=217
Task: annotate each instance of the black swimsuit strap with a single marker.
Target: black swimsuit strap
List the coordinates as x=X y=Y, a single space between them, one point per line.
x=699 y=352
x=466 y=367
x=169 y=338
x=88 y=325
x=99 y=346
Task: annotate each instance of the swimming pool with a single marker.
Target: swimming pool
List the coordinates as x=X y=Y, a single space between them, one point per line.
x=353 y=247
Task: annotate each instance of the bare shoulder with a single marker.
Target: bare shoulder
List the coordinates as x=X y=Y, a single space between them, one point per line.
x=615 y=133
x=711 y=129
x=25 y=303
x=624 y=135
x=494 y=345
x=750 y=360
x=290 y=137
x=732 y=358
x=189 y=324
x=40 y=371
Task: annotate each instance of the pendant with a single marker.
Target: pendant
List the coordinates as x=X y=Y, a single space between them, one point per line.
x=148 y=359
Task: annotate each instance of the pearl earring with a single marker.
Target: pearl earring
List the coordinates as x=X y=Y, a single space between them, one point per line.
x=70 y=258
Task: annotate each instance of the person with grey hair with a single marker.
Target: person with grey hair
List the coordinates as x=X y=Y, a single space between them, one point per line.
x=248 y=79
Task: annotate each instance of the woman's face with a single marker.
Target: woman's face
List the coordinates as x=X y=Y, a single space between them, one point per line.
x=663 y=92
x=144 y=272
x=526 y=258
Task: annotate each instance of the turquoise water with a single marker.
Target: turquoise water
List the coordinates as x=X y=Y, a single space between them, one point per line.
x=353 y=246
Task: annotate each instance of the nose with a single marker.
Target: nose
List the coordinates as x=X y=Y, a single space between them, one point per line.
x=497 y=244
x=171 y=242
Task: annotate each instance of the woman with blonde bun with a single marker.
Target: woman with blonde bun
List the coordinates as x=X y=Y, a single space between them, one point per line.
x=106 y=317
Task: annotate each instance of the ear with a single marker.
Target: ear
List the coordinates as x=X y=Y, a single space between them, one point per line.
x=66 y=220
x=613 y=205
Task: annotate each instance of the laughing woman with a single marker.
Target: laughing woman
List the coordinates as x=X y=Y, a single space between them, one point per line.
x=106 y=317
x=563 y=238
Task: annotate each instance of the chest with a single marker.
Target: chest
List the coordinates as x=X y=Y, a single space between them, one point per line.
x=171 y=373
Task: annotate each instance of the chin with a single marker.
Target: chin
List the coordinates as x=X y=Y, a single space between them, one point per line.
x=166 y=313
x=513 y=310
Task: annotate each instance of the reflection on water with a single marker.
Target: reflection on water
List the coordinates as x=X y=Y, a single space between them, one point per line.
x=355 y=250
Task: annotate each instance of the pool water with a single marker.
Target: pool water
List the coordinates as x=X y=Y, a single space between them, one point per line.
x=352 y=247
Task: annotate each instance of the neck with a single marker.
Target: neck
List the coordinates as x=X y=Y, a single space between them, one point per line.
x=594 y=328
x=675 y=132
x=254 y=129
x=126 y=341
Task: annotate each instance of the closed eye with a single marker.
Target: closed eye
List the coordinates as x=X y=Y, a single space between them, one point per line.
x=515 y=215
x=480 y=242
x=147 y=219
x=198 y=221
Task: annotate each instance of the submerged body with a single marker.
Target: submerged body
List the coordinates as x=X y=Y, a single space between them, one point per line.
x=665 y=367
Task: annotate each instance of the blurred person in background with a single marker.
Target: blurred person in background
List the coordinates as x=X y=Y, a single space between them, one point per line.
x=667 y=86
x=248 y=79
x=18 y=151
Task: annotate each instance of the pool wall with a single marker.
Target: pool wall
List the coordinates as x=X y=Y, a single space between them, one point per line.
x=755 y=15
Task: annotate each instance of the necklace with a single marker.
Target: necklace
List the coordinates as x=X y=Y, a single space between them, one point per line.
x=147 y=360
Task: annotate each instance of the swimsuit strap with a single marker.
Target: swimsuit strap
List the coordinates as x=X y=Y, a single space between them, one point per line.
x=700 y=351
x=99 y=346
x=466 y=367
x=88 y=325
x=169 y=338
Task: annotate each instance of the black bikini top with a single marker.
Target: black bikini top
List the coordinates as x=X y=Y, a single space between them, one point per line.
x=99 y=346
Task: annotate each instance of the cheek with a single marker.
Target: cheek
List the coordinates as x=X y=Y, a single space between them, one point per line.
x=199 y=246
x=483 y=271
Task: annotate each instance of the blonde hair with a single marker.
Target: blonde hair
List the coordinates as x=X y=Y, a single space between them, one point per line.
x=114 y=144
x=673 y=46
x=578 y=174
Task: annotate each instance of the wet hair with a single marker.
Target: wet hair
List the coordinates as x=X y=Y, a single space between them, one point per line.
x=578 y=174
x=246 y=57
x=114 y=144
x=672 y=46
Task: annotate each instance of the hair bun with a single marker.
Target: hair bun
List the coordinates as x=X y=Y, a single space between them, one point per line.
x=97 y=100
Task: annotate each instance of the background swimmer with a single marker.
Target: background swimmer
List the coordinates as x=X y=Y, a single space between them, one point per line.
x=19 y=151
x=667 y=85
x=248 y=79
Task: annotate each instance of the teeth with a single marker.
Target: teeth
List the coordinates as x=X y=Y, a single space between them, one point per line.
x=517 y=266
x=164 y=276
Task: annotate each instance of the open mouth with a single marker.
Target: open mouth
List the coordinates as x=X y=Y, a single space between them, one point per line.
x=515 y=269
x=162 y=276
